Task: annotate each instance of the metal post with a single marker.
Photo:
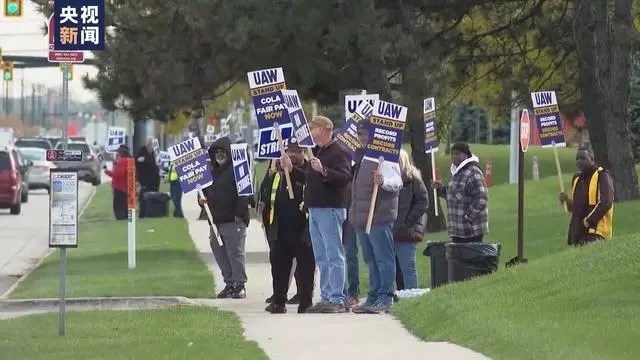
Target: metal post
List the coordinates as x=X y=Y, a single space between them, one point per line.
x=33 y=105
x=22 y=101
x=520 y=204
x=6 y=98
x=514 y=141
x=63 y=274
x=65 y=104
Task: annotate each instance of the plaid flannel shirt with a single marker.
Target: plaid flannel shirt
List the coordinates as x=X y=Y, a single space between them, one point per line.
x=467 y=203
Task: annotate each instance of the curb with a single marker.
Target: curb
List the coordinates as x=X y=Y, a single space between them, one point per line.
x=18 y=305
x=37 y=264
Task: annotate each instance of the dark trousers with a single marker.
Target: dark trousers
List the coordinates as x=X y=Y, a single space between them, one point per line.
x=399 y=278
x=175 y=190
x=281 y=257
x=473 y=239
x=143 y=206
x=120 y=206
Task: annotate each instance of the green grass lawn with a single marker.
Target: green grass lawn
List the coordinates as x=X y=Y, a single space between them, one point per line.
x=167 y=262
x=175 y=333
x=577 y=304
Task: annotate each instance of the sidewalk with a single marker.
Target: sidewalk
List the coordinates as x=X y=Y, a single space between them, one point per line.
x=309 y=336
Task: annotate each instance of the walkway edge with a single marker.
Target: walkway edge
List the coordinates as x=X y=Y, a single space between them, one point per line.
x=37 y=265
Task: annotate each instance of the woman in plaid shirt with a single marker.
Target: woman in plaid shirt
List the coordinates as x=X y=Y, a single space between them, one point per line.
x=466 y=195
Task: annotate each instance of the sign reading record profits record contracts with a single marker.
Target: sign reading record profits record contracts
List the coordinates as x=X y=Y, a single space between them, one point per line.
x=547 y=114
x=190 y=162
x=385 y=135
x=430 y=132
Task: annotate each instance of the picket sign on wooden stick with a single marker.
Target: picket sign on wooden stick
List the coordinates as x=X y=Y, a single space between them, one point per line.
x=208 y=211
x=374 y=197
x=433 y=178
x=287 y=177
x=559 y=169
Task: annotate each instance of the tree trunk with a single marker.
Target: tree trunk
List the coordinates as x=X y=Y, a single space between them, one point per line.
x=604 y=48
x=413 y=90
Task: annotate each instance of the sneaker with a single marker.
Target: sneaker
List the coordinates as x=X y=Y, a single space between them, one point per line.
x=226 y=293
x=362 y=308
x=353 y=301
x=332 y=308
x=318 y=308
x=239 y=292
x=378 y=307
x=276 y=309
x=302 y=309
x=295 y=300
x=269 y=300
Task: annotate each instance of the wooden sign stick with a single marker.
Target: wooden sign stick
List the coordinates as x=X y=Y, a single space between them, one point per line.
x=374 y=197
x=287 y=177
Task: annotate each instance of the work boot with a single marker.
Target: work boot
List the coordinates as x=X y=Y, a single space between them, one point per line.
x=276 y=309
x=294 y=300
x=226 y=293
x=269 y=299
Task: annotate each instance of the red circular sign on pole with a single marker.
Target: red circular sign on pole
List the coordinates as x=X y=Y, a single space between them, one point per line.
x=525 y=130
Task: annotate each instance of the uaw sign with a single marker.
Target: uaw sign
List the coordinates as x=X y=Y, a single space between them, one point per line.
x=241 y=169
x=385 y=136
x=190 y=162
x=430 y=132
x=348 y=134
x=547 y=115
x=298 y=119
x=79 y=25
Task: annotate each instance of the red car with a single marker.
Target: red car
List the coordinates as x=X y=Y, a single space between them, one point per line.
x=10 y=181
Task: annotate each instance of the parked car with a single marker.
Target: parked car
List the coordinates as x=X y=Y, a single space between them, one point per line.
x=25 y=170
x=33 y=142
x=40 y=172
x=89 y=169
x=54 y=141
x=10 y=180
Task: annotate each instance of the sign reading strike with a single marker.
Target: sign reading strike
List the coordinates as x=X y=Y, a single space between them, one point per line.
x=547 y=114
x=116 y=136
x=270 y=108
x=351 y=102
x=190 y=162
x=348 y=134
x=385 y=136
x=79 y=25
x=298 y=119
x=430 y=132
x=241 y=169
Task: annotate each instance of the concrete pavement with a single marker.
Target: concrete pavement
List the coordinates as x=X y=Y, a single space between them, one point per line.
x=310 y=336
x=24 y=238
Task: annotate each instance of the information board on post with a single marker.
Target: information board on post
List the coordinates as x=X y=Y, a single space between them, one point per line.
x=242 y=169
x=270 y=108
x=386 y=132
x=431 y=142
x=348 y=134
x=298 y=119
x=63 y=209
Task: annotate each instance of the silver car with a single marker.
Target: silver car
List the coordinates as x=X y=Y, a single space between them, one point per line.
x=39 y=172
x=89 y=169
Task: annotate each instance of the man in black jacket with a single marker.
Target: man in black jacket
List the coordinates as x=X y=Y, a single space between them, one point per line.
x=231 y=216
x=326 y=198
x=288 y=233
x=147 y=172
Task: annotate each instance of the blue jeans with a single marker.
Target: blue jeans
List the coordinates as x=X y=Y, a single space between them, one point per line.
x=325 y=228
x=175 y=191
x=406 y=254
x=379 y=255
x=352 y=287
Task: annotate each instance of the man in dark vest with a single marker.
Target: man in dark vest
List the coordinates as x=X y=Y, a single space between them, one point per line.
x=591 y=204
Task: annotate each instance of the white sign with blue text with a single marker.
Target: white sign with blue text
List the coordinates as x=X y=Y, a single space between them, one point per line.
x=385 y=136
x=190 y=162
x=242 y=169
x=298 y=119
x=116 y=136
x=351 y=103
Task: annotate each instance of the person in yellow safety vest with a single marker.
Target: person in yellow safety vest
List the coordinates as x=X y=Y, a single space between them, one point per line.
x=591 y=204
x=175 y=191
x=287 y=230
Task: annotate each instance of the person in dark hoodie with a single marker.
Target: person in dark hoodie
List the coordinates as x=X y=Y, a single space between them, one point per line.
x=289 y=233
x=377 y=245
x=467 y=197
x=231 y=217
x=147 y=172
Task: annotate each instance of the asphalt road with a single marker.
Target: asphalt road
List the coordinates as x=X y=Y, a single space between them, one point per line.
x=24 y=238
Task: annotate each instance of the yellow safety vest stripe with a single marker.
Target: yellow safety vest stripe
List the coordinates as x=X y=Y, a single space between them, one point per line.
x=272 y=198
x=173 y=174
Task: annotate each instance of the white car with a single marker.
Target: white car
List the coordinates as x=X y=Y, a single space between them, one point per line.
x=39 y=173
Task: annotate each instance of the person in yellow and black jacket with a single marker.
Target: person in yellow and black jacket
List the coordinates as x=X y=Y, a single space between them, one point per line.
x=175 y=191
x=287 y=230
x=591 y=204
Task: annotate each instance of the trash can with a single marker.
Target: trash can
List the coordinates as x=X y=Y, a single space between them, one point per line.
x=156 y=204
x=435 y=250
x=467 y=260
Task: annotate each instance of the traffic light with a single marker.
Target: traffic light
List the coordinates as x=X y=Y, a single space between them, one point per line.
x=13 y=8
x=7 y=71
x=69 y=70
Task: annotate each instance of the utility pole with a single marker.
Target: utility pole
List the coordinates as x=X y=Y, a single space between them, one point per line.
x=33 y=105
x=22 y=101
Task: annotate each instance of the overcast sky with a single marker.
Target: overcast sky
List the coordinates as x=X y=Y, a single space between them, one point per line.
x=23 y=36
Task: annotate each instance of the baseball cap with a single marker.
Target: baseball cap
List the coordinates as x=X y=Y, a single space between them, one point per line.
x=292 y=144
x=323 y=122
